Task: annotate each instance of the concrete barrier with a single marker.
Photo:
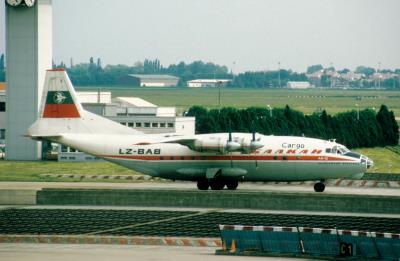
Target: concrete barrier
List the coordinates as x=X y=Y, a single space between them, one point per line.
x=222 y=199
x=17 y=197
x=310 y=241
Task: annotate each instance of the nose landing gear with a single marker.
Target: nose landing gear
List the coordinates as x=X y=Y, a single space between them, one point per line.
x=319 y=187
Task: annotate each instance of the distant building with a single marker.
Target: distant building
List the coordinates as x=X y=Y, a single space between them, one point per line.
x=315 y=77
x=298 y=85
x=352 y=76
x=208 y=83
x=383 y=76
x=137 y=113
x=148 y=80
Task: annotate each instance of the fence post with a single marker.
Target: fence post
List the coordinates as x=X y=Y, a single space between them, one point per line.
x=375 y=245
x=301 y=243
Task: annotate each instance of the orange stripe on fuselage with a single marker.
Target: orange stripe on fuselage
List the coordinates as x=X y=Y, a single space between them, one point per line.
x=60 y=111
x=228 y=157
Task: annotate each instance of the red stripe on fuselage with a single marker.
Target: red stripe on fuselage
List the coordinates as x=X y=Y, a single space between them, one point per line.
x=227 y=157
x=60 y=111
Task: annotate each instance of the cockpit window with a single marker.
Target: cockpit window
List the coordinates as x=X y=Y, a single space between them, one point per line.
x=343 y=150
x=337 y=150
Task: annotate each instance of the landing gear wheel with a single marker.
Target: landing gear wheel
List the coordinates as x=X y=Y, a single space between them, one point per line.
x=217 y=184
x=319 y=187
x=202 y=184
x=232 y=184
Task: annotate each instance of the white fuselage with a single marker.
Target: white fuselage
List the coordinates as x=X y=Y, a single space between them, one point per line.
x=281 y=158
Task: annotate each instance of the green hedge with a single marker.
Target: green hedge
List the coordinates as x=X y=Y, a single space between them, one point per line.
x=365 y=128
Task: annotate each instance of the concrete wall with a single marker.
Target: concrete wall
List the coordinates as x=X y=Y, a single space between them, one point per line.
x=222 y=199
x=17 y=197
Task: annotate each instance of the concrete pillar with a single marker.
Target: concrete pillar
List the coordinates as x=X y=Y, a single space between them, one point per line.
x=29 y=54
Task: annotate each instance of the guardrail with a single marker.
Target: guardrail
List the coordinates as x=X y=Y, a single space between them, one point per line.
x=238 y=239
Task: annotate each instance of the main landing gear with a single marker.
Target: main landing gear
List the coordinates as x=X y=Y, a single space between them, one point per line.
x=217 y=184
x=319 y=187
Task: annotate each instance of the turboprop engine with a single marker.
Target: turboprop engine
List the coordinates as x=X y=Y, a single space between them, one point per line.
x=224 y=145
x=216 y=144
x=248 y=145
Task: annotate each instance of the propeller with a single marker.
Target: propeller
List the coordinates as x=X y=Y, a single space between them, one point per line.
x=254 y=144
x=230 y=141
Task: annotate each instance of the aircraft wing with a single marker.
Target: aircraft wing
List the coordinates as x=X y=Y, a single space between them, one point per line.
x=188 y=142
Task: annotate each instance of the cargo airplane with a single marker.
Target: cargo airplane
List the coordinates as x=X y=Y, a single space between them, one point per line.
x=215 y=160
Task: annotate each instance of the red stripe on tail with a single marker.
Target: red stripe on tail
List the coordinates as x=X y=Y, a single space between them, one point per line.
x=60 y=111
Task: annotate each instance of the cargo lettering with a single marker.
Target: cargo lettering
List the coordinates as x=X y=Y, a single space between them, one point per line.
x=292 y=145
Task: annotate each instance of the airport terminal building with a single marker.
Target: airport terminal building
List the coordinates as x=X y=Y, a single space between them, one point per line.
x=137 y=113
x=132 y=112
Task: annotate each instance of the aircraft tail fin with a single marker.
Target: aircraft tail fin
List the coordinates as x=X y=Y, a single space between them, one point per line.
x=62 y=113
x=59 y=98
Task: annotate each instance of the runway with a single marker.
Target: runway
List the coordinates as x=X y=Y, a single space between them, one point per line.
x=62 y=252
x=243 y=187
x=97 y=223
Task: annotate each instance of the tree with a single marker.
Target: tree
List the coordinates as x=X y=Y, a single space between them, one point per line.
x=343 y=71
x=368 y=71
x=314 y=68
x=368 y=131
x=389 y=127
x=98 y=63
x=2 y=62
x=2 y=69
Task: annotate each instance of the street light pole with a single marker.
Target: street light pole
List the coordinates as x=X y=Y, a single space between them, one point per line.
x=219 y=83
x=270 y=110
x=358 y=112
x=279 y=74
x=379 y=75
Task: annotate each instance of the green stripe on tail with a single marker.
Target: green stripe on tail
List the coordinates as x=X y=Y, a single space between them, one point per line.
x=59 y=97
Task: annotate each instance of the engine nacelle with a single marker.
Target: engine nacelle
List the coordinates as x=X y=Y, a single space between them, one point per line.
x=255 y=145
x=248 y=145
x=224 y=144
x=216 y=144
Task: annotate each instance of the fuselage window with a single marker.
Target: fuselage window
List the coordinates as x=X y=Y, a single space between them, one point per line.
x=328 y=150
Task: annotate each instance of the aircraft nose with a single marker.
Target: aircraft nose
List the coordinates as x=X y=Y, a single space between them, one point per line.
x=368 y=162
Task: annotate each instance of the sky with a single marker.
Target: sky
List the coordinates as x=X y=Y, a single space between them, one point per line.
x=241 y=34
